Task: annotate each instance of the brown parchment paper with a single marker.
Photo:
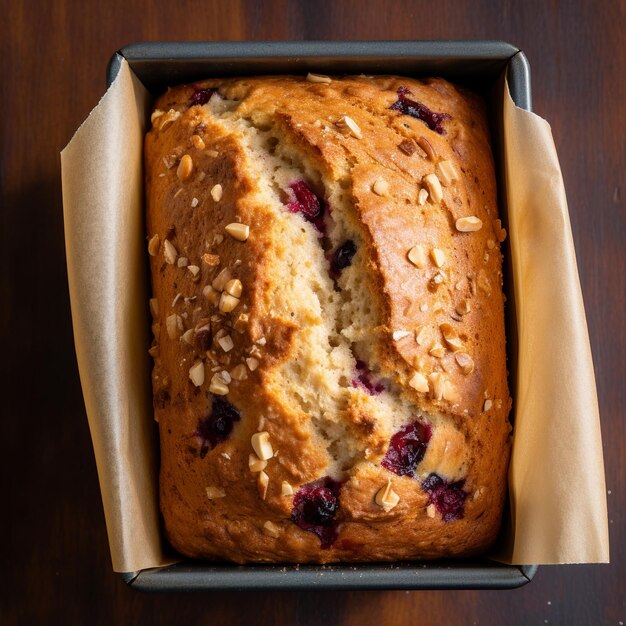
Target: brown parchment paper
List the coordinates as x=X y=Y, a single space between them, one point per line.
x=556 y=477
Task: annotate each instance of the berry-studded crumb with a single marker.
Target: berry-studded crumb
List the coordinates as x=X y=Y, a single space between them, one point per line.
x=419 y=111
x=218 y=426
x=407 y=449
x=364 y=380
x=314 y=508
x=448 y=498
x=202 y=96
x=342 y=258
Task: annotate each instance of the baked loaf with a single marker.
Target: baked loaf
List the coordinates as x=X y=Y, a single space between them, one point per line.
x=329 y=356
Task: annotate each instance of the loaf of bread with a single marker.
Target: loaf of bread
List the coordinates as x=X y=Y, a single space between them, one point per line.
x=329 y=353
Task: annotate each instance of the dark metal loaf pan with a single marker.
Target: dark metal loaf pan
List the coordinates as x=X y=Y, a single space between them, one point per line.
x=478 y=64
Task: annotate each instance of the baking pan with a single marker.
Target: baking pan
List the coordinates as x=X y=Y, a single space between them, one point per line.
x=479 y=64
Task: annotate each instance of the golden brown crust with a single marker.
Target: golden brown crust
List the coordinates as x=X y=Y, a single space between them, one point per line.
x=444 y=323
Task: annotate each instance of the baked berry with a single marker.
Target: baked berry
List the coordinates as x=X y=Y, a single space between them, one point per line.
x=203 y=339
x=407 y=449
x=419 y=111
x=365 y=381
x=448 y=498
x=308 y=204
x=342 y=258
x=314 y=508
x=218 y=425
x=202 y=96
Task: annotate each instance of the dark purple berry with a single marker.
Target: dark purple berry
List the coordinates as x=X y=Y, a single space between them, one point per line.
x=218 y=425
x=364 y=380
x=202 y=339
x=342 y=258
x=202 y=96
x=314 y=508
x=308 y=204
x=448 y=498
x=419 y=111
x=407 y=449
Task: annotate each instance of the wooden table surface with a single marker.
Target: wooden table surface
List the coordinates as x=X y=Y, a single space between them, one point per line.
x=56 y=567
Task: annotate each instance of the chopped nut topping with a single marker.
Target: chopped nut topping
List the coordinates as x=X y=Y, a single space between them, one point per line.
x=218 y=386
x=437 y=350
x=502 y=235
x=437 y=279
x=271 y=529
x=286 y=489
x=491 y=244
x=228 y=303
x=437 y=384
x=417 y=256
x=380 y=187
x=163 y=121
x=239 y=372
x=431 y=511
x=488 y=404
x=255 y=464
x=463 y=307
x=183 y=261
x=261 y=341
x=234 y=287
x=187 y=336
x=419 y=382
x=427 y=147
x=212 y=295
x=451 y=337
x=424 y=307
x=483 y=282
x=407 y=146
x=221 y=279
x=238 y=231
x=170 y=252
x=262 y=446
x=447 y=172
x=225 y=376
x=198 y=142
x=500 y=232
x=318 y=78
x=349 y=124
x=213 y=493
x=400 y=334
x=194 y=269
x=185 y=167
x=156 y=114
x=468 y=224
x=226 y=343
x=154 y=307
x=263 y=483
x=211 y=259
x=153 y=245
x=177 y=297
x=450 y=392
x=386 y=497
x=217 y=192
x=422 y=197
x=174 y=326
x=434 y=187
x=154 y=351
x=465 y=361
x=196 y=373
x=241 y=322
x=194 y=201
x=252 y=363
x=438 y=256
x=420 y=335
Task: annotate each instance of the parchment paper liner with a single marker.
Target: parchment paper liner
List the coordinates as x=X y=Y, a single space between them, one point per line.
x=556 y=480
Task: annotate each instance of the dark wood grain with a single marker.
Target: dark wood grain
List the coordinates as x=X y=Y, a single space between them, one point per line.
x=56 y=567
